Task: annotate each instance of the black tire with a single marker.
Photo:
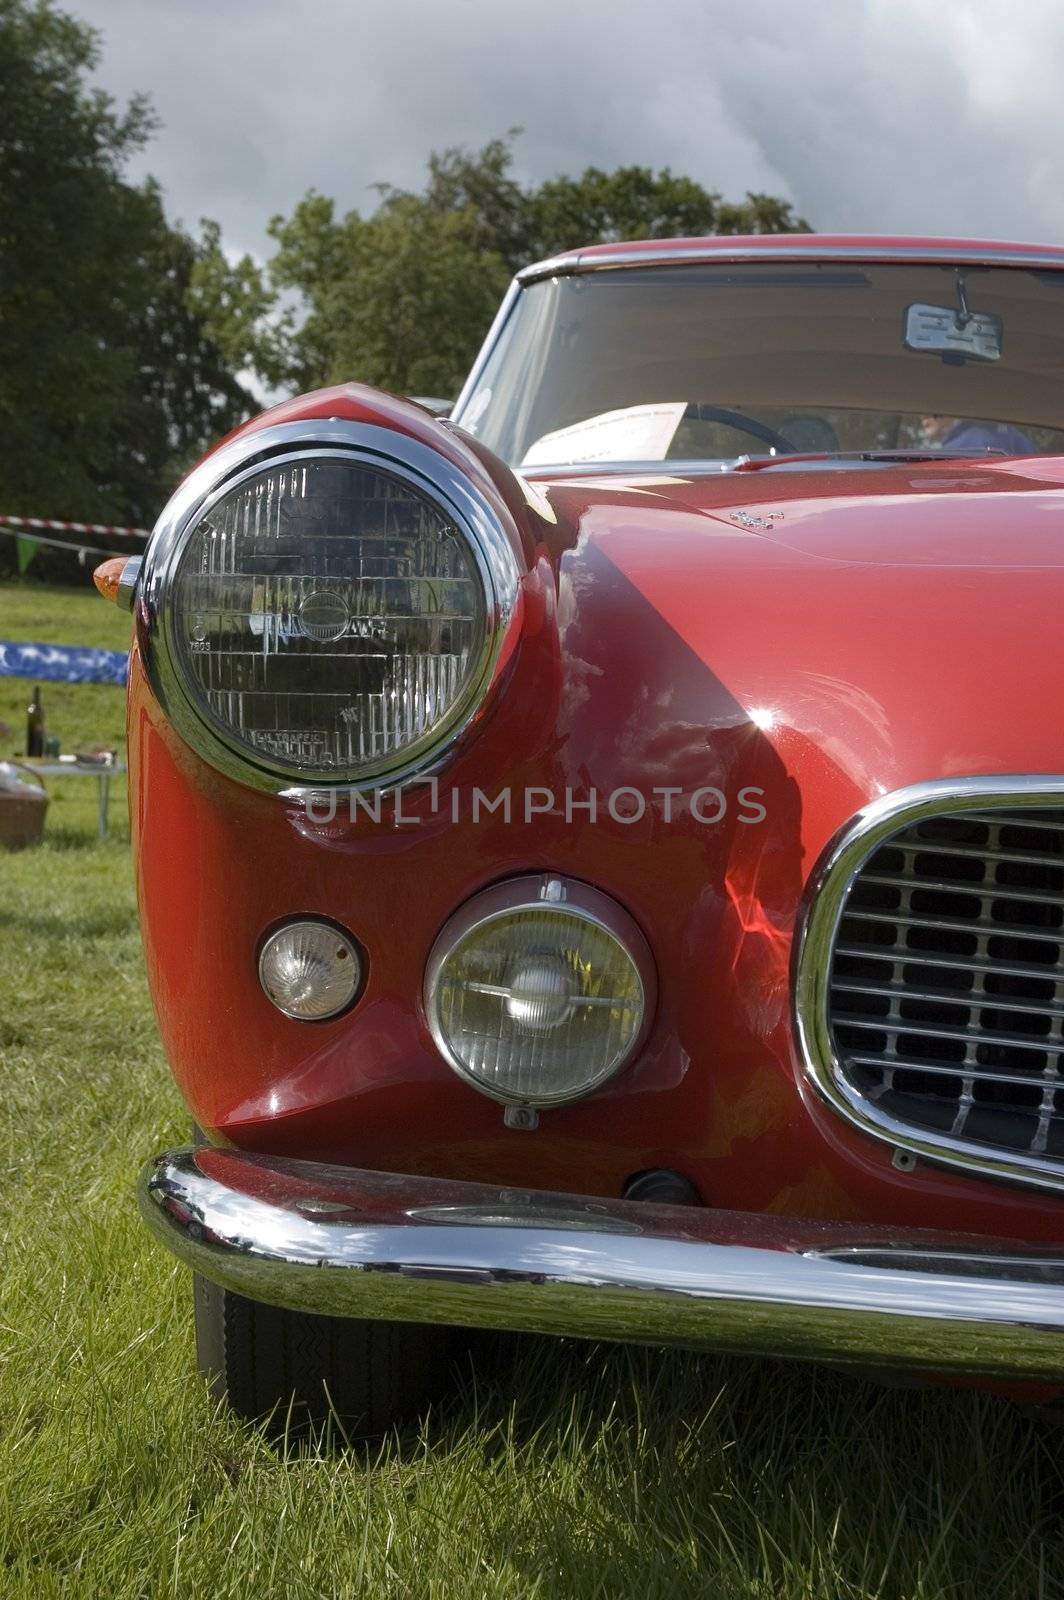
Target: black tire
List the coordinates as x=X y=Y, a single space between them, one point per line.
x=302 y=1371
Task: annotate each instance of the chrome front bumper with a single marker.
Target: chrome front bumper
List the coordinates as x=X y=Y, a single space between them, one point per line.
x=370 y=1244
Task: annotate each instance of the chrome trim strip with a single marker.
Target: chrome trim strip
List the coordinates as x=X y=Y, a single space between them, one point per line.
x=395 y=453
x=532 y=892
x=350 y=1243
x=650 y=255
x=129 y=577
x=822 y=912
x=491 y=338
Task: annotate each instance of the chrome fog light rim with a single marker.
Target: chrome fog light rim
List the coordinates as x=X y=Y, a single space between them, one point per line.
x=535 y=893
x=428 y=472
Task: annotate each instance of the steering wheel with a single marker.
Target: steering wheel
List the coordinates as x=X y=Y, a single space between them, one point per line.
x=698 y=411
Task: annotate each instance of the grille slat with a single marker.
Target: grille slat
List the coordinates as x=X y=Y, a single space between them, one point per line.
x=946 y=984
x=990 y=891
x=921 y=1030
x=926 y=958
x=936 y=1069
x=967 y=852
x=903 y=920
x=1017 y=819
x=952 y=997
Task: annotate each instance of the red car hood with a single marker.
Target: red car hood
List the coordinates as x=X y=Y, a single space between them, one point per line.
x=899 y=623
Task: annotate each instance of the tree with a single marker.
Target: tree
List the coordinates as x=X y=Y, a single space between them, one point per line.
x=402 y=298
x=185 y=395
x=637 y=203
x=479 y=183
x=396 y=299
x=231 y=298
x=109 y=383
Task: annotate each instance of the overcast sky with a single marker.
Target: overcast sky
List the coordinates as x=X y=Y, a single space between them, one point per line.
x=874 y=115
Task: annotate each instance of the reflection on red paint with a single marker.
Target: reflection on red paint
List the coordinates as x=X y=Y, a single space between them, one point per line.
x=756 y=922
x=761 y=959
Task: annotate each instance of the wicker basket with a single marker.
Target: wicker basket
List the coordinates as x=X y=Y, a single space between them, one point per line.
x=22 y=813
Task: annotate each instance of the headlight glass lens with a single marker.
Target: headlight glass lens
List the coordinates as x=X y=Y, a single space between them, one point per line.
x=329 y=617
x=310 y=970
x=537 y=1005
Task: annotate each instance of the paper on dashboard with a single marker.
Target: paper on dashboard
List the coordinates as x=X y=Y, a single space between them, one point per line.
x=636 y=433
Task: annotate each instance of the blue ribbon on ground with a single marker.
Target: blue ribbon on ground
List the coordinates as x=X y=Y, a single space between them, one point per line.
x=62 y=663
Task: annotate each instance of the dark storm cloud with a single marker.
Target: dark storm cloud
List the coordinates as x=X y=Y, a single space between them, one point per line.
x=885 y=115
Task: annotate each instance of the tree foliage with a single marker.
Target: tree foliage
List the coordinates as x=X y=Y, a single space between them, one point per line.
x=109 y=381
x=403 y=297
x=394 y=299
x=122 y=336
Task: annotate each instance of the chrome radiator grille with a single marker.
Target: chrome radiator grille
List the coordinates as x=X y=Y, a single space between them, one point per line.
x=946 y=981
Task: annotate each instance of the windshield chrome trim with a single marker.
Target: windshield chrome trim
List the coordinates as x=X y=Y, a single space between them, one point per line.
x=822 y=911
x=487 y=349
x=669 y=470
x=677 y=469
x=650 y=255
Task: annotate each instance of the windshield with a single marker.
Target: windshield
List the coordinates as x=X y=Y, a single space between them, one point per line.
x=703 y=362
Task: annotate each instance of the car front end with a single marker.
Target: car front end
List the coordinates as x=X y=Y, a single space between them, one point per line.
x=623 y=895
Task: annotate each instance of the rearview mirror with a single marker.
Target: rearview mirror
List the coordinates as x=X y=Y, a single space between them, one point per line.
x=954 y=335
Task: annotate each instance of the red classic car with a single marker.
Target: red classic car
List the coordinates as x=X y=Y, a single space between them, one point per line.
x=601 y=855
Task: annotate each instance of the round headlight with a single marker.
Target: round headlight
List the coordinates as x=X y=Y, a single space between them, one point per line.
x=329 y=615
x=539 y=990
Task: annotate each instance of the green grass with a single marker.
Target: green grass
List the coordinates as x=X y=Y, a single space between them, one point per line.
x=566 y=1471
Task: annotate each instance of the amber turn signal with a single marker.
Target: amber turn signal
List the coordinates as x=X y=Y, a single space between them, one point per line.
x=117 y=579
x=107 y=575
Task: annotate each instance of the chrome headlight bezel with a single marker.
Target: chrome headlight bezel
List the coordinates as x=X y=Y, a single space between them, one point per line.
x=428 y=472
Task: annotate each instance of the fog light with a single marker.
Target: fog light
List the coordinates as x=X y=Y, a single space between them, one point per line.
x=310 y=970
x=539 y=990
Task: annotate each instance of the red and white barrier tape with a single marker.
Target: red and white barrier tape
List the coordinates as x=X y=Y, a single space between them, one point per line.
x=81 y=550
x=72 y=527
